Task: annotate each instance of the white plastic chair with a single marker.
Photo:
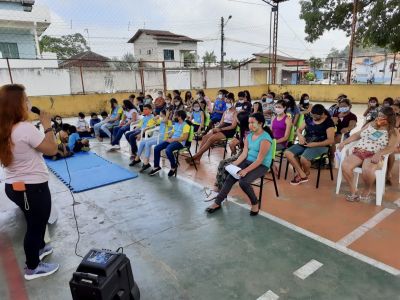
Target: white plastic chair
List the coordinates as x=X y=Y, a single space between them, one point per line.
x=380 y=175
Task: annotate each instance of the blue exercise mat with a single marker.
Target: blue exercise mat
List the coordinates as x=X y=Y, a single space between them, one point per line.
x=88 y=171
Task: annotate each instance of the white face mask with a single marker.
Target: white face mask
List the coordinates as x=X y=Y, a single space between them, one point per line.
x=270 y=100
x=306 y=101
x=196 y=108
x=241 y=101
x=228 y=105
x=279 y=110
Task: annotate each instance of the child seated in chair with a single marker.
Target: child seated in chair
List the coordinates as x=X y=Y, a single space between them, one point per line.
x=147 y=143
x=82 y=126
x=176 y=142
x=75 y=142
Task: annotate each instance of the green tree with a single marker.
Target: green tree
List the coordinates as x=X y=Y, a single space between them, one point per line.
x=65 y=47
x=233 y=63
x=310 y=76
x=189 y=59
x=209 y=58
x=127 y=62
x=378 y=21
x=315 y=63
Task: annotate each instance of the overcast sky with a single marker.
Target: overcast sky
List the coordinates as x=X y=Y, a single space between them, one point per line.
x=110 y=23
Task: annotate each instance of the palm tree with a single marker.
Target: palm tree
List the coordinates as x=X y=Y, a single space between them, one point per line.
x=209 y=58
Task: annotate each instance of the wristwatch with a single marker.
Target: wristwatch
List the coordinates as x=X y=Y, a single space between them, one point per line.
x=48 y=130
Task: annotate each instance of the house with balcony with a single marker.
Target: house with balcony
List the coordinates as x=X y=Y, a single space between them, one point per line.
x=377 y=66
x=21 y=25
x=160 y=45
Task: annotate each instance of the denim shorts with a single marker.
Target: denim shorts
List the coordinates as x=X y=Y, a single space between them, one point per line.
x=307 y=153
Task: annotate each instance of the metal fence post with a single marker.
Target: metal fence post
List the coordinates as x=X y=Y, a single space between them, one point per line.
x=141 y=72
x=164 y=78
x=239 y=73
x=330 y=71
x=83 y=85
x=9 y=70
x=393 y=68
x=205 y=75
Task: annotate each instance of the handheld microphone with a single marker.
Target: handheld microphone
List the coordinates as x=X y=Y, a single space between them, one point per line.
x=35 y=110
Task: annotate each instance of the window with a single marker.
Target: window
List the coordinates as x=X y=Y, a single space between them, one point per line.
x=149 y=52
x=9 y=50
x=169 y=54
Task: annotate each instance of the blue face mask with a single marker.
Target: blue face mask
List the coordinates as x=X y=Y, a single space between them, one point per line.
x=343 y=109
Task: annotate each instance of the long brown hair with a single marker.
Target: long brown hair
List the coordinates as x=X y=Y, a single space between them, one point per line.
x=12 y=110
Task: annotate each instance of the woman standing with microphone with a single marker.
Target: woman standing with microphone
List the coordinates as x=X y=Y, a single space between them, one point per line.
x=21 y=148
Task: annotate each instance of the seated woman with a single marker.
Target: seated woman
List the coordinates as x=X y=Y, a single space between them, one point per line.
x=319 y=136
x=391 y=160
x=292 y=108
x=372 y=110
x=374 y=140
x=281 y=125
x=146 y=144
x=304 y=104
x=236 y=142
x=344 y=120
x=254 y=162
x=176 y=142
x=257 y=107
x=197 y=117
x=130 y=116
x=225 y=130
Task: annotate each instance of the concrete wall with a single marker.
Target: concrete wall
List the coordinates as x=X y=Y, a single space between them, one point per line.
x=356 y=93
x=142 y=44
x=39 y=81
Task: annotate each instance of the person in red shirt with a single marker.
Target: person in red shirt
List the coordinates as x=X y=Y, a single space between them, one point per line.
x=344 y=120
x=159 y=103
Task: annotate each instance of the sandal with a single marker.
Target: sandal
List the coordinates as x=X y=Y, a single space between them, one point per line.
x=353 y=198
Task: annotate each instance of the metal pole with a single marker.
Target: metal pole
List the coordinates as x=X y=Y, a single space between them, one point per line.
x=205 y=75
x=330 y=71
x=83 y=85
x=297 y=72
x=141 y=72
x=393 y=67
x=353 y=32
x=190 y=78
x=9 y=70
x=275 y=43
x=164 y=78
x=222 y=52
x=270 y=42
x=239 y=74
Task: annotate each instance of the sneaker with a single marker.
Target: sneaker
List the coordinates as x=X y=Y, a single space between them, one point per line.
x=114 y=147
x=134 y=162
x=47 y=250
x=42 y=270
x=155 y=171
x=298 y=180
x=171 y=173
x=145 y=167
x=132 y=157
x=211 y=196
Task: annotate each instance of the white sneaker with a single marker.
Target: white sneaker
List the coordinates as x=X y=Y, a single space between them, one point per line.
x=114 y=147
x=211 y=196
x=42 y=270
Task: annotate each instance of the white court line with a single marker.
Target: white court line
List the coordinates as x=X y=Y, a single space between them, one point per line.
x=361 y=230
x=316 y=237
x=270 y=295
x=308 y=269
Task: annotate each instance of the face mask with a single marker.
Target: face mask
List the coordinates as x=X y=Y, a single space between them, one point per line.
x=381 y=122
x=177 y=103
x=343 y=109
x=197 y=96
x=219 y=96
x=306 y=101
x=241 y=101
x=270 y=100
x=196 y=108
x=229 y=105
x=386 y=104
x=254 y=127
x=373 y=104
x=58 y=121
x=279 y=111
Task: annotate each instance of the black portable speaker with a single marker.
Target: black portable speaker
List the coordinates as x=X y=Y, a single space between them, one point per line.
x=104 y=275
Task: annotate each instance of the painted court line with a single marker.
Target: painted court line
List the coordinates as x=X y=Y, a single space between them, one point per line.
x=341 y=248
x=361 y=230
x=270 y=295
x=316 y=237
x=308 y=269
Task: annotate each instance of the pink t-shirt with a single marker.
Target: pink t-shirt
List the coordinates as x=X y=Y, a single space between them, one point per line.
x=28 y=164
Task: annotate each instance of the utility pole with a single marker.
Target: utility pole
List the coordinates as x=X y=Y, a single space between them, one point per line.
x=384 y=67
x=351 y=50
x=393 y=68
x=222 y=52
x=223 y=24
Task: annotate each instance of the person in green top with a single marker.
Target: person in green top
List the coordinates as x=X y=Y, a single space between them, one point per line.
x=254 y=163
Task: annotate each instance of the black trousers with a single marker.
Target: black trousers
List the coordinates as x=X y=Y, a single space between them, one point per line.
x=39 y=201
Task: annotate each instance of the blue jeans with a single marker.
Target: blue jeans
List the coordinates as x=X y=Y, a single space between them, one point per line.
x=146 y=146
x=131 y=138
x=118 y=132
x=169 y=149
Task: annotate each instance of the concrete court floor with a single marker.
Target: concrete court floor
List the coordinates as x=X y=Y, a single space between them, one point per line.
x=178 y=252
